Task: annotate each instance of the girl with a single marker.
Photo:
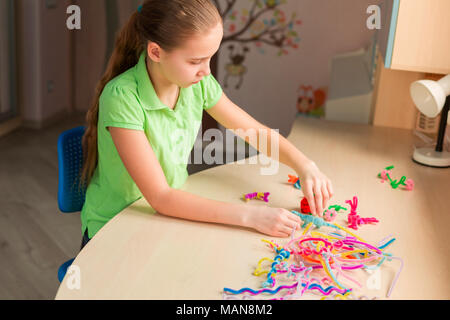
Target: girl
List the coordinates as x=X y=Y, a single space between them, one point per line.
x=157 y=81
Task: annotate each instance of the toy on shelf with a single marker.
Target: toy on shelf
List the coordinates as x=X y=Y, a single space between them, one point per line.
x=353 y=219
x=386 y=175
x=295 y=181
x=264 y=196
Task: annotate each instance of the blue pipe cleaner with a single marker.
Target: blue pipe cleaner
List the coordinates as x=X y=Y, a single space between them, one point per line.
x=318 y=222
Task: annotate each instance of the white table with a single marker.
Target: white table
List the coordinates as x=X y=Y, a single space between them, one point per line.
x=141 y=255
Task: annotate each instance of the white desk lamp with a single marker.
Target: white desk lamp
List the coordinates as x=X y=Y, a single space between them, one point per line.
x=430 y=98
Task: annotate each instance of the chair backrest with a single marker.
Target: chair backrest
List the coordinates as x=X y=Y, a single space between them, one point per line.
x=70 y=159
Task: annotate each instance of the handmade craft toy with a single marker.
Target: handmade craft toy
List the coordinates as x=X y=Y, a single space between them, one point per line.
x=316 y=221
x=337 y=207
x=329 y=214
x=304 y=206
x=386 y=175
x=257 y=195
x=295 y=181
x=304 y=259
x=353 y=219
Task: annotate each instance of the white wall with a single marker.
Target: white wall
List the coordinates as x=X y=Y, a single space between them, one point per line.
x=43 y=55
x=270 y=88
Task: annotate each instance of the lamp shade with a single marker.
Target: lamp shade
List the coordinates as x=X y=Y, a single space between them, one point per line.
x=429 y=96
x=432 y=97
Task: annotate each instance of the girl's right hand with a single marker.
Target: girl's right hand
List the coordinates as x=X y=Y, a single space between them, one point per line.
x=276 y=222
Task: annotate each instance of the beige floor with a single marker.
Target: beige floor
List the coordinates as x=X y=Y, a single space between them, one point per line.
x=35 y=237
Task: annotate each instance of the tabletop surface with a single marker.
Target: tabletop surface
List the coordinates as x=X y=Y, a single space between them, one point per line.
x=145 y=255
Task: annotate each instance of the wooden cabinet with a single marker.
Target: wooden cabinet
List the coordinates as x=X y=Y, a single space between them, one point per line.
x=414 y=44
x=415 y=35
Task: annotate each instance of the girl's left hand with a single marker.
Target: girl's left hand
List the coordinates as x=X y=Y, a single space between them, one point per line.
x=316 y=187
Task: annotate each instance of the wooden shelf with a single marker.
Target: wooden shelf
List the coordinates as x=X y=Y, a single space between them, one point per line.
x=415 y=35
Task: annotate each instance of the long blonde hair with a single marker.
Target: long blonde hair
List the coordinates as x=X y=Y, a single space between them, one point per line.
x=166 y=22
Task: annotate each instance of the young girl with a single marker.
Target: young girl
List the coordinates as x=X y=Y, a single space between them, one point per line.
x=157 y=81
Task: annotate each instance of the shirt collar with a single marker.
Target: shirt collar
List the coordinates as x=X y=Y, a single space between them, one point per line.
x=146 y=91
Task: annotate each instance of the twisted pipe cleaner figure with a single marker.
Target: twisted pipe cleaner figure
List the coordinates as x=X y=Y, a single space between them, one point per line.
x=257 y=195
x=353 y=205
x=353 y=219
x=318 y=222
x=282 y=254
x=263 y=196
x=353 y=216
x=295 y=181
x=386 y=175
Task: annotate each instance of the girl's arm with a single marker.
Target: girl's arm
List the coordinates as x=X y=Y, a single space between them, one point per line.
x=141 y=163
x=316 y=187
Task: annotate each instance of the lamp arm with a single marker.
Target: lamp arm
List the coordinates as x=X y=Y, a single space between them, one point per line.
x=443 y=125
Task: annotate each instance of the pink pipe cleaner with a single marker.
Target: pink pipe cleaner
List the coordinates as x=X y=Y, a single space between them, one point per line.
x=409 y=185
x=330 y=215
x=384 y=175
x=353 y=219
x=257 y=195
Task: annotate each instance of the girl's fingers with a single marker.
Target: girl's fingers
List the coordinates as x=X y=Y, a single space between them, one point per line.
x=307 y=191
x=292 y=223
x=294 y=218
x=330 y=188
x=326 y=197
x=318 y=198
x=289 y=224
x=281 y=234
x=287 y=230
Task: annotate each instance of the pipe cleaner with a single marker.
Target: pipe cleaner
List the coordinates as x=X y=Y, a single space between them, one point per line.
x=329 y=215
x=307 y=219
x=324 y=291
x=304 y=206
x=353 y=219
x=337 y=208
x=281 y=255
x=386 y=175
x=257 y=195
x=295 y=181
x=313 y=253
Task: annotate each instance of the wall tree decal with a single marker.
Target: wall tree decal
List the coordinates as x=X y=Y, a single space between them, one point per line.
x=277 y=31
x=265 y=23
x=257 y=27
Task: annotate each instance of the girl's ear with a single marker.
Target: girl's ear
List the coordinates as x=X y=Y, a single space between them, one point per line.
x=154 y=51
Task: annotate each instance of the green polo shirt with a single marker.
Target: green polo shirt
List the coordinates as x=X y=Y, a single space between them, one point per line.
x=130 y=101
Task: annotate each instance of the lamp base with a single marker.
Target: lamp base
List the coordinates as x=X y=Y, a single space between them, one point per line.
x=431 y=158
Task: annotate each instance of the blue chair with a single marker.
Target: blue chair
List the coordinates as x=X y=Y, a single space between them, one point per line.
x=70 y=196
